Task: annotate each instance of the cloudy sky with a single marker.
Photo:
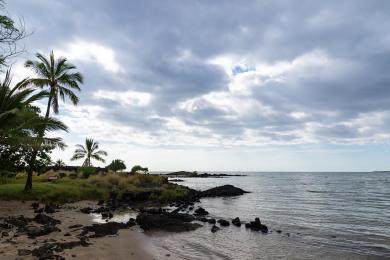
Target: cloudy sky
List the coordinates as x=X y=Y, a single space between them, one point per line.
x=223 y=85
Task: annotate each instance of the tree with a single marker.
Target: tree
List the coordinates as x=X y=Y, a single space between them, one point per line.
x=89 y=151
x=116 y=165
x=139 y=169
x=58 y=77
x=10 y=34
x=22 y=128
x=59 y=163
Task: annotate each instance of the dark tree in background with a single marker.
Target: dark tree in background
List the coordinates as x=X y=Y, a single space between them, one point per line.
x=116 y=165
x=11 y=33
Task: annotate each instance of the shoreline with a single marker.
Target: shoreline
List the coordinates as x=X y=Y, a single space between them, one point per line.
x=126 y=244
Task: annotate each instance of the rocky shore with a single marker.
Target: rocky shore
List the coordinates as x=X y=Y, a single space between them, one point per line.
x=58 y=232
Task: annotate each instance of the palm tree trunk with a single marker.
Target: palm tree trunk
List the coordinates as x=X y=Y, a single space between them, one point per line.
x=48 y=106
x=28 y=186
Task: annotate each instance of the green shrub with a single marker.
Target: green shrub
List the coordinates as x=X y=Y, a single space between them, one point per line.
x=86 y=171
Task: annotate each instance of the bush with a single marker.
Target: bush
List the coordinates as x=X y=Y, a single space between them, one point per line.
x=86 y=171
x=5 y=175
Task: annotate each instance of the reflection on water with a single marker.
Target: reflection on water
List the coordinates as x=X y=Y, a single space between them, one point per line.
x=328 y=215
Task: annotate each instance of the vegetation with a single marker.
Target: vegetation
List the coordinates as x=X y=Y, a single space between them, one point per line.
x=139 y=169
x=96 y=187
x=58 y=77
x=59 y=163
x=25 y=146
x=89 y=151
x=10 y=34
x=116 y=165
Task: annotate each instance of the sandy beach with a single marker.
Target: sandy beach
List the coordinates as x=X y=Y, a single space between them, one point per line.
x=127 y=244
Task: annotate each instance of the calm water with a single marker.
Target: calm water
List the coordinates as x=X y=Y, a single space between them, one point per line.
x=328 y=216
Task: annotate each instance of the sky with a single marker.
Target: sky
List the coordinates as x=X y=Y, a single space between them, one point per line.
x=222 y=85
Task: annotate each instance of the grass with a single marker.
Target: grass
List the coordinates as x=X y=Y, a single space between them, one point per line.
x=94 y=188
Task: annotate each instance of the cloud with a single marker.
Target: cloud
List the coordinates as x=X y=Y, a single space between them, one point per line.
x=91 y=52
x=224 y=74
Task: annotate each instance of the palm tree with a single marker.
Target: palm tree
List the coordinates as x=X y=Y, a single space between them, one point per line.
x=89 y=151
x=59 y=163
x=21 y=124
x=57 y=76
x=19 y=119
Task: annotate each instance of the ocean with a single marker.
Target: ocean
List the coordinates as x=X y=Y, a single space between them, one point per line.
x=332 y=215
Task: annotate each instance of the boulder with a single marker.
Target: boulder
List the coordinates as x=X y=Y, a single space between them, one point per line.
x=223 y=191
x=257 y=226
x=50 y=208
x=109 y=228
x=34 y=231
x=173 y=222
x=46 y=220
x=223 y=222
x=214 y=229
x=236 y=222
x=211 y=221
x=201 y=212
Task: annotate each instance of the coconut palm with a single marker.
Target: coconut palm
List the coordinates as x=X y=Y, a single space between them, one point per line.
x=57 y=76
x=89 y=151
x=19 y=119
x=21 y=124
x=59 y=163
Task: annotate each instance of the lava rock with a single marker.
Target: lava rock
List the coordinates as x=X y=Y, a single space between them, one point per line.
x=223 y=191
x=173 y=222
x=201 y=212
x=236 y=222
x=211 y=221
x=257 y=226
x=50 y=208
x=34 y=231
x=214 y=229
x=109 y=228
x=223 y=222
x=46 y=220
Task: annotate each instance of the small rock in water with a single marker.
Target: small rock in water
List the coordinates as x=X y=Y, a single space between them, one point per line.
x=223 y=222
x=211 y=221
x=257 y=226
x=214 y=229
x=236 y=222
x=201 y=212
x=279 y=231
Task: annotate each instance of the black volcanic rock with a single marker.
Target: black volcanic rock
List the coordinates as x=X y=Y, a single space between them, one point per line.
x=236 y=222
x=223 y=222
x=223 y=191
x=173 y=222
x=214 y=229
x=201 y=212
x=257 y=226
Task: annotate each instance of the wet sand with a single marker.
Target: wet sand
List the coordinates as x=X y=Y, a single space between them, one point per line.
x=127 y=244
